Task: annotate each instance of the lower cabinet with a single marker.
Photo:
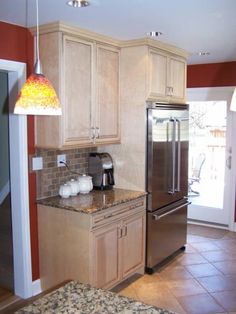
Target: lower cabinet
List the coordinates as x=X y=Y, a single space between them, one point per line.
x=118 y=251
x=101 y=249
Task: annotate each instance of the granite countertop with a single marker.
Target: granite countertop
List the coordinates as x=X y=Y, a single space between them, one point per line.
x=94 y=201
x=79 y=298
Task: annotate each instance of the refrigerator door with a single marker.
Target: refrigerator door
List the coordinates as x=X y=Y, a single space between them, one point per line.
x=167 y=155
x=166 y=233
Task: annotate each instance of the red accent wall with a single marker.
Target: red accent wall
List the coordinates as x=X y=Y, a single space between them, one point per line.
x=16 y=44
x=211 y=75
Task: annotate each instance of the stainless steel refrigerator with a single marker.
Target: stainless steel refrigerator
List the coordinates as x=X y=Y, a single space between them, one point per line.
x=167 y=181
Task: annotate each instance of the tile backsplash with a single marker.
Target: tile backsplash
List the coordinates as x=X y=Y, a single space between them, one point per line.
x=51 y=177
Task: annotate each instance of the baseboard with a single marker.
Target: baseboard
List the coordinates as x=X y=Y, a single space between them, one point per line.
x=234 y=227
x=4 y=192
x=36 y=287
x=207 y=224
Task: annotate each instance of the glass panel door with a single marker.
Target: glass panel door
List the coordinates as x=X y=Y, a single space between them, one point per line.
x=209 y=161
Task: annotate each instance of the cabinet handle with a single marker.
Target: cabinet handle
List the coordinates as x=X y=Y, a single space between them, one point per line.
x=168 y=90
x=124 y=231
x=107 y=216
x=97 y=132
x=119 y=232
x=92 y=133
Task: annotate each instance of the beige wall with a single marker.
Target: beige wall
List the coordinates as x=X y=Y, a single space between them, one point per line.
x=129 y=156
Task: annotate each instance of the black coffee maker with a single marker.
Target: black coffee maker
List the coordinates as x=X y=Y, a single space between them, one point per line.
x=100 y=167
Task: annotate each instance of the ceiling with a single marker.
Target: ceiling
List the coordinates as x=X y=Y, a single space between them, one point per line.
x=194 y=25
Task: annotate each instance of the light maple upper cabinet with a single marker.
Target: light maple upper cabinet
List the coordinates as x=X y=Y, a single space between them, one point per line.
x=167 y=77
x=78 y=91
x=107 y=98
x=85 y=74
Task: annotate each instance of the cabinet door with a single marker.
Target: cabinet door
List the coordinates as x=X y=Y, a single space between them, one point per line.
x=177 y=79
x=105 y=256
x=107 y=86
x=133 y=244
x=78 y=81
x=158 y=74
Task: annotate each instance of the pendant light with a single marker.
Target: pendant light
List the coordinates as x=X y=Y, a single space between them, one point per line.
x=233 y=101
x=37 y=96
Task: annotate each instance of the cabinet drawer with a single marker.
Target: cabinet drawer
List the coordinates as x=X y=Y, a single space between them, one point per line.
x=117 y=212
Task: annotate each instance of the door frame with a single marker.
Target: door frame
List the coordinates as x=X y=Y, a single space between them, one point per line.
x=19 y=183
x=221 y=93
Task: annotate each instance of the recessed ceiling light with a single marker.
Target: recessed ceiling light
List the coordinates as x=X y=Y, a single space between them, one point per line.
x=78 y=3
x=203 y=53
x=154 y=34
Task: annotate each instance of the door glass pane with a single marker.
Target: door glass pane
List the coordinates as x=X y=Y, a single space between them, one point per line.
x=207 y=141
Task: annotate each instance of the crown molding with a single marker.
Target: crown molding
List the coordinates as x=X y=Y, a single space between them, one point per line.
x=76 y=31
x=60 y=26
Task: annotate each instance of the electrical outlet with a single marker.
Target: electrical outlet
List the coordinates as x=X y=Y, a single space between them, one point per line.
x=60 y=160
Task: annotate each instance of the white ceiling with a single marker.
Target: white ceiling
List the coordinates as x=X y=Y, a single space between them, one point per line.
x=194 y=25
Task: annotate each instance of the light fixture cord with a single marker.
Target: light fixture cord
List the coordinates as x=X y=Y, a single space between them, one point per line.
x=37 y=36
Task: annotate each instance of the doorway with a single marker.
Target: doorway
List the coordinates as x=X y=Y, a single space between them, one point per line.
x=211 y=177
x=18 y=160
x=6 y=243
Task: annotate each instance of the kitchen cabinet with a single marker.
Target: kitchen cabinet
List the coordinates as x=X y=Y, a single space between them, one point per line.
x=101 y=249
x=85 y=74
x=167 y=77
x=118 y=250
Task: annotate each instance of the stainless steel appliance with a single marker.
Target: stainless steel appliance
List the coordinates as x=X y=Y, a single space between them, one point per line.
x=167 y=181
x=101 y=169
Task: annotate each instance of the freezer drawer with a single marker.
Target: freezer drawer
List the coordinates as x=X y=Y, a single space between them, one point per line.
x=166 y=233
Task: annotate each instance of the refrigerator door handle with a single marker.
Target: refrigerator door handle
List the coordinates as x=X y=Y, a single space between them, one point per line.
x=158 y=217
x=178 y=156
x=172 y=189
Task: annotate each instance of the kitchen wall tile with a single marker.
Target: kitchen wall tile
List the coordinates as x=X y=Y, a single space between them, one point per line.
x=51 y=177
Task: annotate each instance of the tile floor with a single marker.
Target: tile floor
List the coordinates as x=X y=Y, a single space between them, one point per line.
x=201 y=280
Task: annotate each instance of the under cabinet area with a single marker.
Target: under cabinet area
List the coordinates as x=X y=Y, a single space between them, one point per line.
x=101 y=249
x=85 y=74
x=167 y=75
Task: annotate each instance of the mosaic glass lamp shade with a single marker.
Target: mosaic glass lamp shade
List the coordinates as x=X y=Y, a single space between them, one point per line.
x=37 y=96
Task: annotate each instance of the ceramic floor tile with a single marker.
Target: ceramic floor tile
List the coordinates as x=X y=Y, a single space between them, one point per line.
x=213 y=233
x=189 y=248
x=230 y=235
x=129 y=292
x=191 y=259
x=227 y=299
x=228 y=244
x=226 y=267
x=202 y=270
x=218 y=283
x=195 y=239
x=205 y=246
x=177 y=272
x=200 y=304
x=185 y=287
x=166 y=301
x=219 y=256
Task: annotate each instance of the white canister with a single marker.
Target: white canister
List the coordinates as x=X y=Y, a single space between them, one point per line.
x=65 y=190
x=85 y=184
x=74 y=187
